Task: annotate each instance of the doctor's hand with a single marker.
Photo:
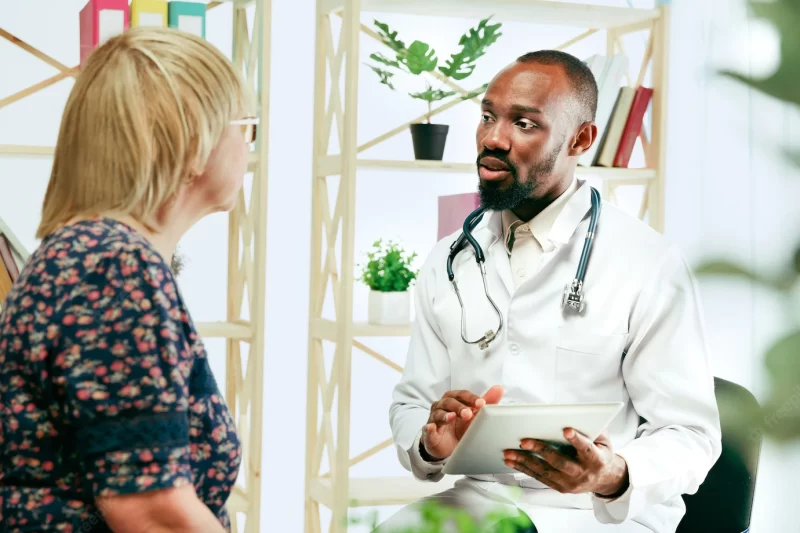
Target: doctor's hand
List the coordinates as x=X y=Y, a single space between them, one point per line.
x=593 y=467
x=450 y=417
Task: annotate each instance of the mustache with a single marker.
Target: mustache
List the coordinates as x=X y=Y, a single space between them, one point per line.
x=501 y=156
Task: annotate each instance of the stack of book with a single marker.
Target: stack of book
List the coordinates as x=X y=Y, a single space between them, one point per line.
x=620 y=113
x=12 y=257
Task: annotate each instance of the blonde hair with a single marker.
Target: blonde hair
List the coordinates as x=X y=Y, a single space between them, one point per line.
x=144 y=115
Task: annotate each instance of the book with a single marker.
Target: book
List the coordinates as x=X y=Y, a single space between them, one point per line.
x=619 y=117
x=7 y=260
x=5 y=284
x=17 y=249
x=633 y=126
x=609 y=74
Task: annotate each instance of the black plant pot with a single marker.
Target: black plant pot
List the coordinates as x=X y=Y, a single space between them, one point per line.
x=429 y=140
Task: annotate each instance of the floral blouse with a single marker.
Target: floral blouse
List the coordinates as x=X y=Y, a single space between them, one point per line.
x=105 y=387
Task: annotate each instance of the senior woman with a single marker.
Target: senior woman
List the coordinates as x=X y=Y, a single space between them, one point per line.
x=110 y=418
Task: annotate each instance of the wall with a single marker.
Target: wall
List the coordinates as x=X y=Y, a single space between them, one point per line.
x=730 y=194
x=727 y=193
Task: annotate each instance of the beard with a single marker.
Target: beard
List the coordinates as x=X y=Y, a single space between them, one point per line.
x=495 y=198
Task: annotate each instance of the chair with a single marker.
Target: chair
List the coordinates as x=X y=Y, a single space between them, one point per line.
x=724 y=501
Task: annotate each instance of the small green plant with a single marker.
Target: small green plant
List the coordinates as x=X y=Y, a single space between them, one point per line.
x=388 y=268
x=436 y=517
x=419 y=58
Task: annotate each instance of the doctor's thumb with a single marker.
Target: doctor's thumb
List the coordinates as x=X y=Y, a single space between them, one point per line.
x=494 y=394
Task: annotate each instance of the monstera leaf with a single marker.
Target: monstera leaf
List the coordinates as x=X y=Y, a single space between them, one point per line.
x=390 y=39
x=380 y=58
x=473 y=45
x=420 y=58
x=384 y=76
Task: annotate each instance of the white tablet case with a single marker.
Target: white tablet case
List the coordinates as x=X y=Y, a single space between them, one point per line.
x=497 y=428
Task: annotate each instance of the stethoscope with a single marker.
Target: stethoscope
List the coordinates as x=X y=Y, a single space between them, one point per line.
x=573 y=297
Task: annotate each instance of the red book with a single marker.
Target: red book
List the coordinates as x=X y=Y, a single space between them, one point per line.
x=633 y=126
x=7 y=258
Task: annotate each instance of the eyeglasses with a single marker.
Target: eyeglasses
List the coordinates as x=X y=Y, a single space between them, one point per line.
x=249 y=126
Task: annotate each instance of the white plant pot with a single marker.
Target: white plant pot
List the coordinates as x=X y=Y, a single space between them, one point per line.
x=390 y=308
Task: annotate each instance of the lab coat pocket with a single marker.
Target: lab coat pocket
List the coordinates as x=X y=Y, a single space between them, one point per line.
x=589 y=366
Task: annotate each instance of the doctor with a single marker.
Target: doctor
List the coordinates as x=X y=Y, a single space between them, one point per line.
x=639 y=339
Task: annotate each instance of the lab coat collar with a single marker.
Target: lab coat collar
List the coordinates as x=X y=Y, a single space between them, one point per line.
x=572 y=214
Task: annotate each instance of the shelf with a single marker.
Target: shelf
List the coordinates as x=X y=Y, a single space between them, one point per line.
x=21 y=150
x=26 y=151
x=329 y=166
x=237 y=501
x=534 y=11
x=325 y=329
x=373 y=492
x=224 y=330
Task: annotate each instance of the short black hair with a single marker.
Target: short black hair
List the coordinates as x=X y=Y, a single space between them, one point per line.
x=579 y=74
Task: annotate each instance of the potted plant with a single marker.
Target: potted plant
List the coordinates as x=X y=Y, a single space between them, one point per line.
x=418 y=58
x=388 y=274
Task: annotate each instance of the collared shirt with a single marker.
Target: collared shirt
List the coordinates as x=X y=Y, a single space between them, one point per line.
x=525 y=242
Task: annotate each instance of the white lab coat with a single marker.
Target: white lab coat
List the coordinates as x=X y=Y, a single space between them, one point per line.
x=639 y=341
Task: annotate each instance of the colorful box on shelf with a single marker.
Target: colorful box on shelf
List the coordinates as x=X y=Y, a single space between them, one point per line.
x=149 y=13
x=453 y=209
x=99 y=21
x=189 y=17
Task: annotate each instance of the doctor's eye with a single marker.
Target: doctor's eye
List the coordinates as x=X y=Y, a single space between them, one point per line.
x=486 y=117
x=526 y=124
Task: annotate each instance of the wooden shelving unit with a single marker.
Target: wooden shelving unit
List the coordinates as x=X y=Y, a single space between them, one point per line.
x=336 y=489
x=247 y=227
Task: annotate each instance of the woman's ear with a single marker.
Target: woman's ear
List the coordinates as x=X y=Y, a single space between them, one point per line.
x=584 y=139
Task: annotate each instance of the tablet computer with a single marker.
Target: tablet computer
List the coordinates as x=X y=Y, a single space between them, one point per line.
x=497 y=428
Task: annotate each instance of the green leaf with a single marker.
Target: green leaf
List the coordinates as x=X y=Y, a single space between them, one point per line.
x=380 y=58
x=420 y=58
x=797 y=260
x=474 y=44
x=384 y=75
x=782 y=410
x=782 y=84
x=390 y=38
x=432 y=95
x=457 y=67
x=477 y=92
x=794 y=156
x=725 y=268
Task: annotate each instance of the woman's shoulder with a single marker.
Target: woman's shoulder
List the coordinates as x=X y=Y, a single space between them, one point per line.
x=100 y=259
x=99 y=246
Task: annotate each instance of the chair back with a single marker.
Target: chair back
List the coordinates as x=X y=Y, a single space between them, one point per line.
x=724 y=502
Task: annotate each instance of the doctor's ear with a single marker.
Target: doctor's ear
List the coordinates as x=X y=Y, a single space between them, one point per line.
x=584 y=139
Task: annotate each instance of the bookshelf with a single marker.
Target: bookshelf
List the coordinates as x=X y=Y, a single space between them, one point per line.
x=336 y=489
x=243 y=326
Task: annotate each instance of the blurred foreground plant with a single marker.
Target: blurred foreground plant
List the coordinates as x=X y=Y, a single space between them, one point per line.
x=439 y=518
x=780 y=416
